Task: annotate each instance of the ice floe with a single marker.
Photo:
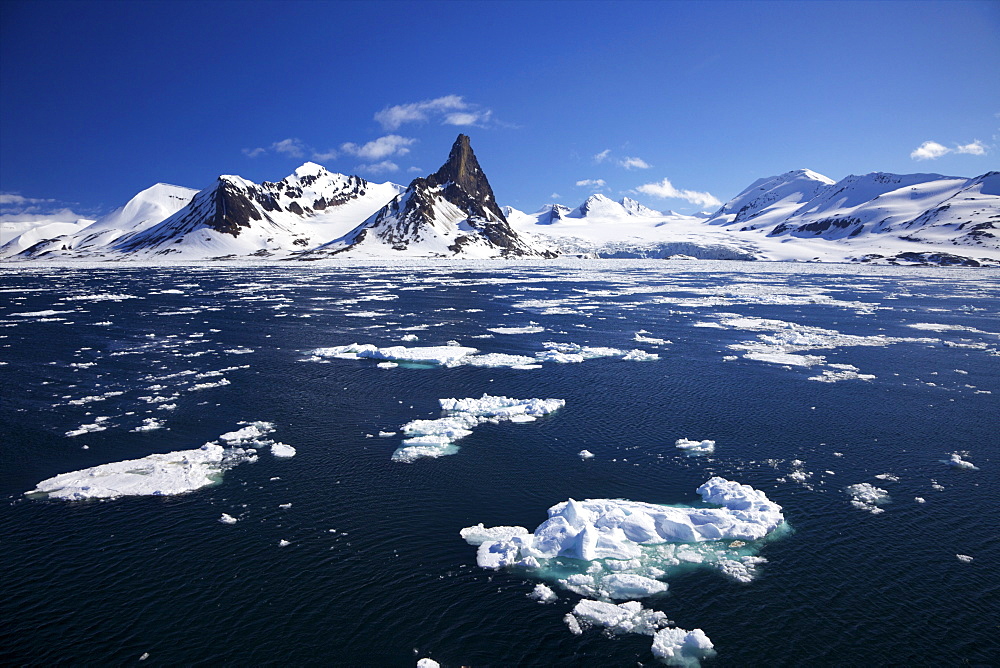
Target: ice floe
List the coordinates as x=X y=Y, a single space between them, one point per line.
x=964 y=558
x=678 y=647
x=619 y=549
x=529 y=329
x=149 y=424
x=865 y=496
x=543 y=594
x=585 y=454
x=228 y=519
x=435 y=438
x=956 y=461
x=282 y=450
x=428 y=663
x=695 y=447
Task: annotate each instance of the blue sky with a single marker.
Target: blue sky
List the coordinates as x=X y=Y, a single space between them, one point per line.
x=99 y=100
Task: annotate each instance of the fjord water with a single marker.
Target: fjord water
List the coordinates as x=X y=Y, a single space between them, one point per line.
x=375 y=572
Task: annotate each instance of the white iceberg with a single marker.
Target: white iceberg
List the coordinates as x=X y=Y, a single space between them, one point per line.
x=865 y=496
x=678 y=647
x=228 y=519
x=156 y=475
x=543 y=594
x=282 y=450
x=615 y=549
x=585 y=454
x=436 y=438
x=956 y=461
x=695 y=447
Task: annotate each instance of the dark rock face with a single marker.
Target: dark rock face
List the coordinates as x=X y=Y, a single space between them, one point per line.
x=461 y=183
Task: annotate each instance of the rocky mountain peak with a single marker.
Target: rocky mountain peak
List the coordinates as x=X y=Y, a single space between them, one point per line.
x=463 y=179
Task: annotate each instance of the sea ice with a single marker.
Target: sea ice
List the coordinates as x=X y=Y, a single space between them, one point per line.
x=620 y=549
x=585 y=454
x=628 y=617
x=435 y=438
x=228 y=519
x=964 y=558
x=428 y=663
x=865 y=496
x=282 y=450
x=149 y=424
x=543 y=594
x=640 y=356
x=695 y=447
x=443 y=355
x=678 y=647
x=156 y=475
x=530 y=329
x=956 y=461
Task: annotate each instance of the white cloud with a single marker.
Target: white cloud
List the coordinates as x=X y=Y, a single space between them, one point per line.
x=64 y=215
x=931 y=150
x=633 y=163
x=602 y=156
x=254 y=152
x=379 y=148
x=468 y=118
x=555 y=196
x=378 y=167
x=595 y=183
x=293 y=148
x=975 y=148
x=666 y=190
x=391 y=118
x=330 y=154
x=415 y=170
x=14 y=199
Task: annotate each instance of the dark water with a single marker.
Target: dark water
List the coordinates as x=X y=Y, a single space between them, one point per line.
x=106 y=582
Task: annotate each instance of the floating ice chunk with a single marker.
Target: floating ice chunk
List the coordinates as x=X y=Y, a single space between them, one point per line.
x=640 y=356
x=205 y=386
x=251 y=435
x=920 y=499
x=155 y=475
x=428 y=663
x=888 y=477
x=149 y=424
x=480 y=534
x=628 y=586
x=651 y=340
x=97 y=425
x=530 y=329
x=627 y=543
x=387 y=365
x=574 y=353
x=282 y=450
x=450 y=355
x=678 y=647
x=498 y=360
x=629 y=617
x=435 y=438
x=409 y=338
x=698 y=447
x=228 y=519
x=864 y=496
x=955 y=461
x=827 y=376
x=964 y=558
x=543 y=594
x=283 y=543
x=585 y=454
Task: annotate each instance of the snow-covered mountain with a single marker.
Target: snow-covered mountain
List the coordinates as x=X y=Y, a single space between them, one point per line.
x=872 y=217
x=233 y=218
x=315 y=214
x=146 y=209
x=451 y=213
x=602 y=227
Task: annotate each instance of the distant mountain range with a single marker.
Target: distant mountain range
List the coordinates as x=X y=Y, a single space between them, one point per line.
x=314 y=214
